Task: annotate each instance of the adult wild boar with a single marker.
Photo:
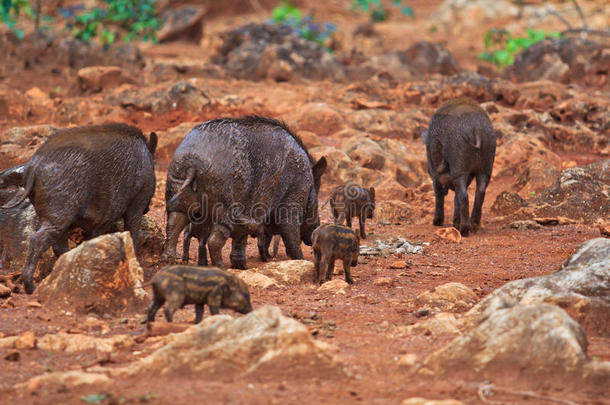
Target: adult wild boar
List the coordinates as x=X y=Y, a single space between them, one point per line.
x=460 y=145
x=88 y=177
x=232 y=175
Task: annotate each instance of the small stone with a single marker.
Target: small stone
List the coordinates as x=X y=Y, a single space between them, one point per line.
x=450 y=234
x=408 y=360
x=526 y=224
x=33 y=304
x=4 y=291
x=336 y=286
x=36 y=94
x=401 y=264
x=604 y=229
x=27 y=340
x=12 y=355
x=384 y=281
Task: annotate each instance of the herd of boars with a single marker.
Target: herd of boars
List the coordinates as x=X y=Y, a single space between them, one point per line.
x=230 y=178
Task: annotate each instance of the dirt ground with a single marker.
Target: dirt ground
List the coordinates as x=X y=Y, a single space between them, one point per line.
x=359 y=324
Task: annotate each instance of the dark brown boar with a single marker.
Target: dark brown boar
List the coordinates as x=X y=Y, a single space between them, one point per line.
x=178 y=285
x=233 y=175
x=332 y=242
x=460 y=145
x=350 y=200
x=88 y=177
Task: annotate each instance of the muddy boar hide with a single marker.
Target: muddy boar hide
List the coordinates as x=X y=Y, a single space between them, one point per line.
x=232 y=175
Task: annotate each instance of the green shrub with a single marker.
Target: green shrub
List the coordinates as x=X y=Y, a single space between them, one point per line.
x=502 y=46
x=10 y=10
x=287 y=14
x=376 y=9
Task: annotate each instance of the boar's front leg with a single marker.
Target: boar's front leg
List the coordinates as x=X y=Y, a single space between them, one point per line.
x=482 y=182
x=346 y=269
x=43 y=239
x=186 y=243
x=238 y=252
x=317 y=257
x=361 y=220
x=176 y=222
x=198 y=312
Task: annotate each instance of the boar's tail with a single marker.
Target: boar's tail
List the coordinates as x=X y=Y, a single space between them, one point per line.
x=28 y=188
x=152 y=143
x=276 y=245
x=476 y=143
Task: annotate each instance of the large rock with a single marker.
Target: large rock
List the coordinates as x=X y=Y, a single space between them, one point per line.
x=98 y=276
x=524 y=344
x=426 y=57
x=66 y=379
x=221 y=346
x=319 y=118
x=98 y=78
x=258 y=51
x=449 y=297
x=160 y=99
x=17 y=225
x=288 y=272
x=32 y=136
x=184 y=23
x=70 y=342
x=564 y=60
x=581 y=287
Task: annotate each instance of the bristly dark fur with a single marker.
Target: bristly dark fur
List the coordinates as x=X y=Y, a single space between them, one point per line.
x=111 y=127
x=252 y=120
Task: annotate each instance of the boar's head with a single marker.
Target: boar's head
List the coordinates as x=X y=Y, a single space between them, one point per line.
x=311 y=219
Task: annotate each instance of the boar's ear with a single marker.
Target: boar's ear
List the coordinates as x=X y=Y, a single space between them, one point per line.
x=423 y=131
x=152 y=143
x=372 y=193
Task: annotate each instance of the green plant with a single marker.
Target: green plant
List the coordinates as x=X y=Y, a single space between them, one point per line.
x=376 y=9
x=287 y=14
x=126 y=19
x=10 y=10
x=94 y=399
x=502 y=46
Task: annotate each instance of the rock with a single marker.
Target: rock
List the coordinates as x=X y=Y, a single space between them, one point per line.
x=425 y=57
x=98 y=276
x=604 y=228
x=580 y=193
x=562 y=60
x=184 y=23
x=8 y=342
x=70 y=342
x=181 y=95
x=526 y=158
x=336 y=286
x=28 y=137
x=37 y=95
x=581 y=287
x=66 y=379
x=151 y=237
x=256 y=51
x=98 y=78
x=310 y=139
x=450 y=234
x=12 y=355
x=525 y=224
x=5 y=291
x=222 y=346
x=450 y=297
x=423 y=401
x=439 y=324
x=319 y=118
x=384 y=281
x=401 y=264
x=472 y=12
x=17 y=225
x=394 y=246
x=26 y=340
x=254 y=279
x=522 y=345
x=392 y=211
x=388 y=124
x=289 y=272
x=507 y=202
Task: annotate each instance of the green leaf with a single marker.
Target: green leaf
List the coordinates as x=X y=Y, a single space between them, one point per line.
x=407 y=11
x=94 y=399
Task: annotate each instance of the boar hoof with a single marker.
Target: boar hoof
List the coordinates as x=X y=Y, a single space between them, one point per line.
x=464 y=231
x=29 y=286
x=438 y=221
x=238 y=264
x=475 y=227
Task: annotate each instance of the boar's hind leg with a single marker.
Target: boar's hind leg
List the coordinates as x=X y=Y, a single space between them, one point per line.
x=218 y=237
x=330 y=268
x=61 y=246
x=43 y=239
x=482 y=182
x=461 y=206
x=346 y=268
x=133 y=221
x=292 y=241
x=152 y=310
x=362 y=220
x=238 y=252
x=202 y=254
x=186 y=244
x=198 y=312
x=439 y=200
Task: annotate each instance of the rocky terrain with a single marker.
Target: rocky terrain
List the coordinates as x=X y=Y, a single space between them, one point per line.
x=517 y=312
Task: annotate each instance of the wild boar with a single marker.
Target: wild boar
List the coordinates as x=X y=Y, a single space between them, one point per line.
x=332 y=242
x=460 y=146
x=88 y=177
x=350 y=200
x=233 y=175
x=177 y=286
